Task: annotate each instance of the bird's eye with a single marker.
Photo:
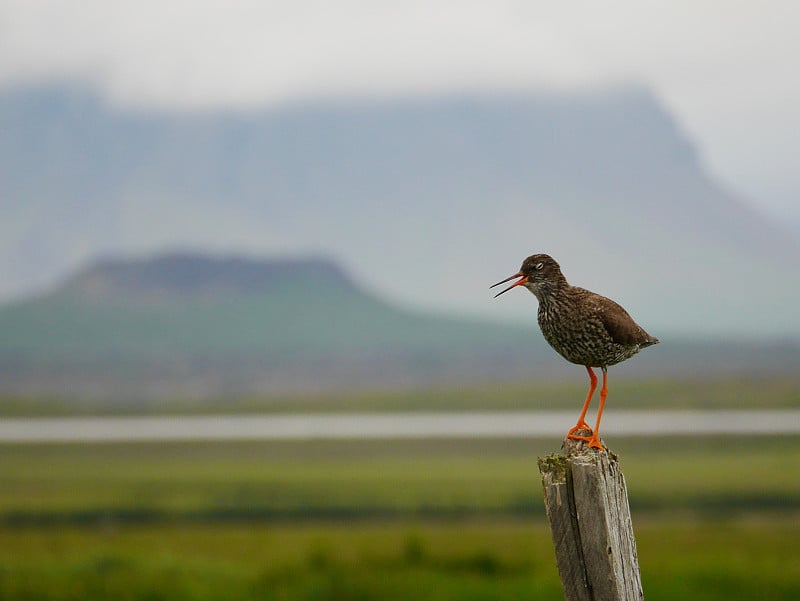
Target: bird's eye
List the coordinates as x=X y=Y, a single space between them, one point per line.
x=539 y=266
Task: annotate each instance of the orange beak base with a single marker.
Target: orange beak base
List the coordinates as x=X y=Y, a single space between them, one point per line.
x=520 y=282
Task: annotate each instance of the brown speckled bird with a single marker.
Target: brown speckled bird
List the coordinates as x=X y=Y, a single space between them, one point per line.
x=584 y=327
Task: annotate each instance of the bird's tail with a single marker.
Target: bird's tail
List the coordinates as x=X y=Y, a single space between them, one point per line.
x=651 y=340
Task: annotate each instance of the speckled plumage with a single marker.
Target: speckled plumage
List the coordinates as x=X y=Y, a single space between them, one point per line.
x=582 y=326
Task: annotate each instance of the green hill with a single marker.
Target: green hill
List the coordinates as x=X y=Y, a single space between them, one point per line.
x=190 y=325
x=188 y=322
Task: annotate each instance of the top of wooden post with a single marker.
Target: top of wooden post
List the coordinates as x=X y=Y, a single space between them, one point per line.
x=587 y=506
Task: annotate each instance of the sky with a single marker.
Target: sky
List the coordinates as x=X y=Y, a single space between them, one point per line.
x=726 y=69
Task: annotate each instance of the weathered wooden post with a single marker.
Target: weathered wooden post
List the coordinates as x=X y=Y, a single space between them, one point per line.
x=587 y=506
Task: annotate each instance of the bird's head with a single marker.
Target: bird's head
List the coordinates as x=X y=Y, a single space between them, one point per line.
x=539 y=273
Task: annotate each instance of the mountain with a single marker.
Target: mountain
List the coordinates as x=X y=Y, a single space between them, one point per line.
x=429 y=199
x=191 y=324
x=200 y=325
x=191 y=277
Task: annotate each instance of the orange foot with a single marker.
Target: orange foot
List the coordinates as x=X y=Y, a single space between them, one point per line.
x=592 y=441
x=581 y=425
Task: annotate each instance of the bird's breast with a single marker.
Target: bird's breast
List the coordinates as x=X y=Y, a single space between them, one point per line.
x=579 y=338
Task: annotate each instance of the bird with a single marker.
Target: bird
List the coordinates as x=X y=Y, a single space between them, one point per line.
x=583 y=327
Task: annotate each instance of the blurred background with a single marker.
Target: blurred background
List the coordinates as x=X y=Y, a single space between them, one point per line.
x=220 y=215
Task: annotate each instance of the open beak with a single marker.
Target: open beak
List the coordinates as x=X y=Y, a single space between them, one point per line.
x=520 y=282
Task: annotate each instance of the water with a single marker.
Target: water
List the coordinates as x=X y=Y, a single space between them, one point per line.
x=395 y=425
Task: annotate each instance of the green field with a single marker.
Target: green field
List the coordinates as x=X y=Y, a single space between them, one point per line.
x=715 y=518
x=381 y=478
x=414 y=561
x=732 y=391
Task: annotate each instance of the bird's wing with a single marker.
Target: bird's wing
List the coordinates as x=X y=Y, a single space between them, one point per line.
x=618 y=323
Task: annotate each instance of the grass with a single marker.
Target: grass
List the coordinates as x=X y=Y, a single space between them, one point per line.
x=418 y=477
x=716 y=518
x=722 y=392
x=494 y=559
x=259 y=520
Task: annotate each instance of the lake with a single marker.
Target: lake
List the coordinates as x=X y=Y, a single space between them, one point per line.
x=392 y=425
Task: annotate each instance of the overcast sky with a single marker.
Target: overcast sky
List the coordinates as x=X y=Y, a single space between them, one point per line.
x=727 y=69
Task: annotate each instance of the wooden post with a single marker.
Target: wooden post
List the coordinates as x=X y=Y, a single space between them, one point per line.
x=587 y=506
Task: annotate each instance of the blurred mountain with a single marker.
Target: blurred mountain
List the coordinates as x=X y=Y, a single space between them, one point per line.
x=189 y=324
x=429 y=200
x=196 y=325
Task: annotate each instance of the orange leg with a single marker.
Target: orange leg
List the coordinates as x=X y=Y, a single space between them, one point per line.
x=582 y=425
x=594 y=440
